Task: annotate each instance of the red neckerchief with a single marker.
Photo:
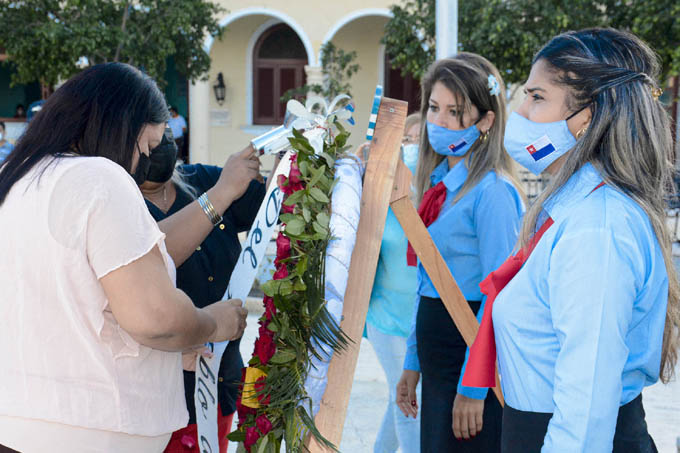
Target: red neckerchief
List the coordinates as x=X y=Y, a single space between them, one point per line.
x=429 y=209
x=481 y=367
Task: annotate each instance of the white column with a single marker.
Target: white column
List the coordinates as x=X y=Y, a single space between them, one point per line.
x=199 y=122
x=447 y=28
x=314 y=75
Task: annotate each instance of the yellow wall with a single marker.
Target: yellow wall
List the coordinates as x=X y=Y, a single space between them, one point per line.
x=363 y=35
x=229 y=57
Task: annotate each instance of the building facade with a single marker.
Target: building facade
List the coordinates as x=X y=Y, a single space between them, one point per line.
x=271 y=46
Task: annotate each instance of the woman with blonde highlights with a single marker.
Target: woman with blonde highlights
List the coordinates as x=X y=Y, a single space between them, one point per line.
x=469 y=198
x=589 y=316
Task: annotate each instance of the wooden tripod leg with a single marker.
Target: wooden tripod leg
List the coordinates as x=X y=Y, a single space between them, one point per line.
x=378 y=183
x=434 y=263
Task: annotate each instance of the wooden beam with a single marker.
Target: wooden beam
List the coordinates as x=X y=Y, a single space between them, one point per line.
x=433 y=262
x=378 y=184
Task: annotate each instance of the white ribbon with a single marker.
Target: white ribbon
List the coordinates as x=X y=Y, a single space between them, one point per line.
x=345 y=210
x=240 y=283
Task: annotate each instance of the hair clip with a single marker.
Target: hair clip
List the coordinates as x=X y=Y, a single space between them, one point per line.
x=494 y=87
x=656 y=92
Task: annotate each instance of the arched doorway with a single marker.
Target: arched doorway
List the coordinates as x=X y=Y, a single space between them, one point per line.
x=279 y=60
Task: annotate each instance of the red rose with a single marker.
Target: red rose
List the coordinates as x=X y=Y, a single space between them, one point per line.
x=263 y=424
x=269 y=308
x=287 y=186
x=264 y=345
x=259 y=388
x=294 y=175
x=252 y=436
x=281 y=272
x=282 y=246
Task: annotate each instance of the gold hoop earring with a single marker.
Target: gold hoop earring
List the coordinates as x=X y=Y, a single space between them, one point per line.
x=485 y=136
x=580 y=133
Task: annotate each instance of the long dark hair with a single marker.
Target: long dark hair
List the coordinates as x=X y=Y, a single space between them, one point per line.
x=628 y=140
x=98 y=112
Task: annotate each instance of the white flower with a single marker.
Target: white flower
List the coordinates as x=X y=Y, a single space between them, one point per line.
x=494 y=87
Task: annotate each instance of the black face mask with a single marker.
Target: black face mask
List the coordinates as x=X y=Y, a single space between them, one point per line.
x=142 y=169
x=163 y=159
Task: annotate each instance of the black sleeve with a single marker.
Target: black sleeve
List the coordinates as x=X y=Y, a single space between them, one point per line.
x=245 y=208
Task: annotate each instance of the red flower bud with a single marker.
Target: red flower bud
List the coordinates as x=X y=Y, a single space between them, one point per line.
x=263 y=424
x=252 y=436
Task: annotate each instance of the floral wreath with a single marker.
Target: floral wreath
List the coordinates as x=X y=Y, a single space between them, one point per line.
x=273 y=404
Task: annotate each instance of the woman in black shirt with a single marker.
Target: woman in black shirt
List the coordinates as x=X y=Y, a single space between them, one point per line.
x=205 y=249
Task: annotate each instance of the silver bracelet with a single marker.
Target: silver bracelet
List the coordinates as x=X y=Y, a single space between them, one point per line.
x=209 y=209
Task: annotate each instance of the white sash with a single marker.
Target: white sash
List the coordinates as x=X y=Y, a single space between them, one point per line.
x=242 y=278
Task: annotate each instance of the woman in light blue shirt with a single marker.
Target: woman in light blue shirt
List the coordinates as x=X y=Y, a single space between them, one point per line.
x=580 y=328
x=469 y=197
x=390 y=311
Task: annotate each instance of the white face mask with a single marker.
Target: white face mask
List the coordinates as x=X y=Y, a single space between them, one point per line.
x=1 y=136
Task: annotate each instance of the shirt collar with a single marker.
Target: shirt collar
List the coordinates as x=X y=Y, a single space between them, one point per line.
x=453 y=179
x=577 y=187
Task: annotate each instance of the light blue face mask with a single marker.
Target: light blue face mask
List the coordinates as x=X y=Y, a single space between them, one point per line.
x=449 y=142
x=537 y=145
x=410 y=156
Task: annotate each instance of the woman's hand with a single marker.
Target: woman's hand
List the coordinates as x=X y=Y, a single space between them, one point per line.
x=406 y=393
x=238 y=171
x=189 y=357
x=467 y=416
x=230 y=317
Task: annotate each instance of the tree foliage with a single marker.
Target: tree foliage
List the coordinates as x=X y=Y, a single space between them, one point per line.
x=50 y=40
x=510 y=32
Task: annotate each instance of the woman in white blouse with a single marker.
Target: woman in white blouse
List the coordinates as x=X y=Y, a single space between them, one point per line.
x=91 y=325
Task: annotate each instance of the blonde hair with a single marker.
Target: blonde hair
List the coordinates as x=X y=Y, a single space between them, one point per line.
x=466 y=75
x=411 y=120
x=628 y=139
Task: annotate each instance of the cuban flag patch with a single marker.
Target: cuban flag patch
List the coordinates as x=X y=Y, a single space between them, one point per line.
x=541 y=148
x=457 y=145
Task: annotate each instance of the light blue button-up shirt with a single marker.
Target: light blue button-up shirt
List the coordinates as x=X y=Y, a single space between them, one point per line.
x=579 y=329
x=474 y=236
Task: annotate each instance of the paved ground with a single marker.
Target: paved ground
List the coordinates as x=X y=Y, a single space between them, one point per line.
x=369 y=397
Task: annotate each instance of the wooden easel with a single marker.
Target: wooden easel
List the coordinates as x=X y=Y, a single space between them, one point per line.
x=386 y=182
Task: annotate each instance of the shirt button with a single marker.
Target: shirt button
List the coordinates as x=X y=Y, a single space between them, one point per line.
x=210 y=278
x=221 y=226
x=220 y=379
x=198 y=248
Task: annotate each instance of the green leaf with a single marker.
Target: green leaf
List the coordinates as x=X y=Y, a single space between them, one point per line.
x=237 y=436
x=323 y=219
x=319 y=228
x=286 y=217
x=294 y=198
x=318 y=195
x=306 y=214
x=299 y=285
x=304 y=168
x=316 y=175
x=263 y=444
x=283 y=356
x=295 y=226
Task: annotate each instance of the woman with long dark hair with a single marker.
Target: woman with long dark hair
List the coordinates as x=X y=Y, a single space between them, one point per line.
x=590 y=314
x=91 y=324
x=470 y=200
